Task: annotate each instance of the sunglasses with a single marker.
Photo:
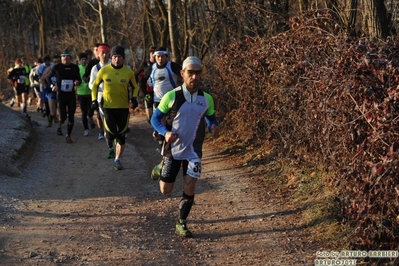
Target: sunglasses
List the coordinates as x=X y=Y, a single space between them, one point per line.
x=192 y=72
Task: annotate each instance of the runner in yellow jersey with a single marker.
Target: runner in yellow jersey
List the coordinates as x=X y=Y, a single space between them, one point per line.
x=119 y=93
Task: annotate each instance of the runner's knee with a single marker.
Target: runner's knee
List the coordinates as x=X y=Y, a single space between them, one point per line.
x=165 y=188
x=121 y=139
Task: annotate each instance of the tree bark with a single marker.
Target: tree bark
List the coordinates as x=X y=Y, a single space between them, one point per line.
x=173 y=32
x=303 y=5
x=376 y=23
x=352 y=17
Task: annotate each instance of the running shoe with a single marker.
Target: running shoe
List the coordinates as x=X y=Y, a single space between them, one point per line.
x=111 y=154
x=50 y=121
x=68 y=139
x=182 y=230
x=59 y=132
x=91 y=123
x=100 y=136
x=12 y=102
x=156 y=171
x=26 y=116
x=118 y=165
x=86 y=133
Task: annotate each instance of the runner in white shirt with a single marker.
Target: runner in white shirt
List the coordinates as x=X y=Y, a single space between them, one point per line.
x=164 y=76
x=103 y=52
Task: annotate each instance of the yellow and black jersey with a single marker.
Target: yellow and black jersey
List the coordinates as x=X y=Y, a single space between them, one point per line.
x=116 y=83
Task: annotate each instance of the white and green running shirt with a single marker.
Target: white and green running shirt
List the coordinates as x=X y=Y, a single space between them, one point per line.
x=186 y=113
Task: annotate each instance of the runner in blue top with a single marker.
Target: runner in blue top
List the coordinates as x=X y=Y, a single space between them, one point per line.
x=49 y=95
x=187 y=109
x=40 y=72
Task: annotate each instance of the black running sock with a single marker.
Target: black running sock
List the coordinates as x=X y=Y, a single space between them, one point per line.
x=47 y=110
x=185 y=205
x=70 y=127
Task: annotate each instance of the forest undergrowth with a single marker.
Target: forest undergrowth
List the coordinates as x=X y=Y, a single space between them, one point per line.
x=326 y=104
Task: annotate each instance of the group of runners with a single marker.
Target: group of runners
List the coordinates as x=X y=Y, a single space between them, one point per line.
x=176 y=106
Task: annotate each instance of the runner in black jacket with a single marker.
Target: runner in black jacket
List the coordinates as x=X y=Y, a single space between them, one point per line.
x=68 y=77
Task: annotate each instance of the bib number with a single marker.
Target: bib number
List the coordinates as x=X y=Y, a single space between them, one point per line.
x=194 y=168
x=67 y=85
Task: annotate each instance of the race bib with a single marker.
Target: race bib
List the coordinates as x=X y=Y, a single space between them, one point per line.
x=21 y=80
x=194 y=168
x=66 y=85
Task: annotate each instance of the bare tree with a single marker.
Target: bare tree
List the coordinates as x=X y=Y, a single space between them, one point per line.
x=149 y=24
x=38 y=7
x=173 y=32
x=162 y=23
x=99 y=10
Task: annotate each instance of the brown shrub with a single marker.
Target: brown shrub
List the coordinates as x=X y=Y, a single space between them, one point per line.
x=321 y=98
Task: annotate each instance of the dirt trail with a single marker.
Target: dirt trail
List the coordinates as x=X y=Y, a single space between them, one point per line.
x=69 y=207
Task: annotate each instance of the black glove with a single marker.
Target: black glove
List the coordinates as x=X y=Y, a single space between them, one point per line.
x=134 y=102
x=94 y=105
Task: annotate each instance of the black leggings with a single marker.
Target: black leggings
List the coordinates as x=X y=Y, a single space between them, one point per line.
x=116 y=123
x=67 y=105
x=85 y=107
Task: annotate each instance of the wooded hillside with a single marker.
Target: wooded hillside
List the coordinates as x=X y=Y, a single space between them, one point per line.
x=312 y=81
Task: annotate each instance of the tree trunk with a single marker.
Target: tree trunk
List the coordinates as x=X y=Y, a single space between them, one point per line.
x=101 y=17
x=303 y=5
x=376 y=21
x=149 y=24
x=173 y=32
x=163 y=23
x=352 y=17
x=186 y=26
x=38 y=9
